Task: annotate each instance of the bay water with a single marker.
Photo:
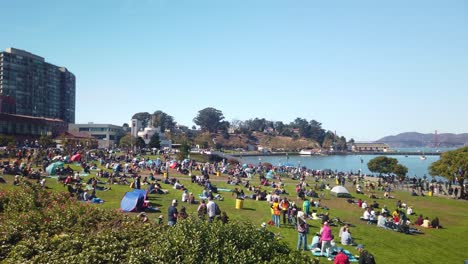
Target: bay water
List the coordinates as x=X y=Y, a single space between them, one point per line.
x=417 y=167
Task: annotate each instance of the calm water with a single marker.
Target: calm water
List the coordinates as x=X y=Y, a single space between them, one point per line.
x=346 y=163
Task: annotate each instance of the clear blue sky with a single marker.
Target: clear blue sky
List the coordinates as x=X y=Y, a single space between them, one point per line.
x=366 y=69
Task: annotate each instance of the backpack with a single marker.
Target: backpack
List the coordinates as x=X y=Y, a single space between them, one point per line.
x=217 y=210
x=369 y=258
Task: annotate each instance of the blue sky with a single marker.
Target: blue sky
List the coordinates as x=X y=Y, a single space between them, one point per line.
x=366 y=69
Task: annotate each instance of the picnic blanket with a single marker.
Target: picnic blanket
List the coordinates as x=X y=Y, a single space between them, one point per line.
x=351 y=257
x=224 y=190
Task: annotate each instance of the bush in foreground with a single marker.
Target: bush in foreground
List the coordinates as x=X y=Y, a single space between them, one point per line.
x=44 y=227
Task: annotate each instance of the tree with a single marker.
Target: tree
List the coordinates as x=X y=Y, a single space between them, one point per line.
x=7 y=141
x=317 y=133
x=125 y=141
x=183 y=151
x=209 y=119
x=382 y=164
x=303 y=126
x=400 y=171
x=204 y=140
x=341 y=144
x=46 y=141
x=155 y=141
x=144 y=117
x=452 y=165
x=140 y=143
x=279 y=127
x=162 y=120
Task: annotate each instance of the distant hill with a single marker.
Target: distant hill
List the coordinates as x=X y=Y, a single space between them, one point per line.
x=415 y=139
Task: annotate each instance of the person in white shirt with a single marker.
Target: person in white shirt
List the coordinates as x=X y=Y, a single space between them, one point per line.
x=346 y=238
x=381 y=220
x=409 y=211
x=366 y=215
x=372 y=216
x=364 y=205
x=184 y=196
x=211 y=209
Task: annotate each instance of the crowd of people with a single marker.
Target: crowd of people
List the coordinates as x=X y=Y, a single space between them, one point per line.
x=310 y=189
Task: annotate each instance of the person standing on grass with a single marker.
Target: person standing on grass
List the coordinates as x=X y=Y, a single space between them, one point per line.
x=302 y=229
x=172 y=213
x=306 y=207
x=211 y=209
x=276 y=212
x=326 y=236
x=284 y=205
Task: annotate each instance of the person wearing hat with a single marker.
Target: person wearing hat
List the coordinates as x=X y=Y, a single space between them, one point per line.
x=172 y=213
x=302 y=229
x=364 y=256
x=341 y=257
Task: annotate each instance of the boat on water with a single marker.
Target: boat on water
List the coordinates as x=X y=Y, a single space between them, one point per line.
x=307 y=152
x=422 y=157
x=310 y=152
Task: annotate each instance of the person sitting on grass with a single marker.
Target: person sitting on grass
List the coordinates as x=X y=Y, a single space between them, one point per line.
x=409 y=210
x=426 y=223
x=435 y=223
x=178 y=185
x=366 y=215
x=382 y=220
x=316 y=245
x=346 y=238
x=341 y=257
x=185 y=196
x=420 y=220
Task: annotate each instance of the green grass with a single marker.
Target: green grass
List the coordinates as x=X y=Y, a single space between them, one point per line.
x=447 y=245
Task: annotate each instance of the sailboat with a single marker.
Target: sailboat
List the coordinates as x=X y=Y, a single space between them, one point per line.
x=422 y=157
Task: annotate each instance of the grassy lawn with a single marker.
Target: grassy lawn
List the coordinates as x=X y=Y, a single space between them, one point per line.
x=447 y=245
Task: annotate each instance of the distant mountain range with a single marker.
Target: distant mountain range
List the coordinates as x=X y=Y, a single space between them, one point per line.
x=415 y=139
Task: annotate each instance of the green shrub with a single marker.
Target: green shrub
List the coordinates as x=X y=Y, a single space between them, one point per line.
x=44 y=227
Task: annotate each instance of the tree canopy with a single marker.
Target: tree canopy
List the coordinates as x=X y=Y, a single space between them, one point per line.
x=139 y=142
x=452 y=165
x=125 y=141
x=211 y=119
x=144 y=117
x=162 y=120
x=383 y=164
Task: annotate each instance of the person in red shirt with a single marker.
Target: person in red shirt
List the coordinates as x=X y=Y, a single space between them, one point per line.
x=341 y=257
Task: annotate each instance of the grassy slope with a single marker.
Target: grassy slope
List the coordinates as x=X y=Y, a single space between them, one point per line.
x=446 y=245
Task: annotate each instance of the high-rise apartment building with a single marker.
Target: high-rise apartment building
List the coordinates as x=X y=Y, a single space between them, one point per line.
x=31 y=86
